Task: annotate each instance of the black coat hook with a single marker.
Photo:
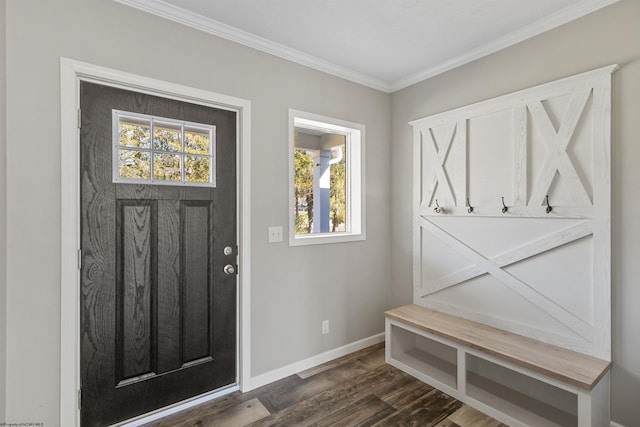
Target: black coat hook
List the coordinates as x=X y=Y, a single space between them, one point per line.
x=438 y=209
x=505 y=209
x=549 y=208
x=470 y=210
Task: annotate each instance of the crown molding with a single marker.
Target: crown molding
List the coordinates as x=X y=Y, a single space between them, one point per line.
x=219 y=29
x=528 y=31
x=211 y=26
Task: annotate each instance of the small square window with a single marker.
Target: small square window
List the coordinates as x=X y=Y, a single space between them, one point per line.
x=167 y=137
x=326 y=180
x=197 y=169
x=167 y=167
x=197 y=142
x=179 y=153
x=134 y=164
x=134 y=133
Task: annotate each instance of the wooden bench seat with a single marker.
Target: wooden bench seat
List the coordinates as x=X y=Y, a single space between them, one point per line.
x=567 y=370
x=564 y=365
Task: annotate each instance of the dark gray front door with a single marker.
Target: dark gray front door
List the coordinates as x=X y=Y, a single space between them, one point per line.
x=158 y=311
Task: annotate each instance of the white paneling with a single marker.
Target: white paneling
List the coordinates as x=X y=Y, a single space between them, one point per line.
x=436 y=146
x=602 y=215
x=557 y=139
x=526 y=270
x=485 y=294
x=441 y=261
x=491 y=142
x=568 y=282
x=546 y=305
x=497 y=236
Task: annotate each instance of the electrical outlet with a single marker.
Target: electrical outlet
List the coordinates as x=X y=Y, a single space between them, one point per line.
x=275 y=234
x=325 y=327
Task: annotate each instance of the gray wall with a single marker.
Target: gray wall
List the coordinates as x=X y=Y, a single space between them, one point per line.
x=608 y=36
x=3 y=211
x=293 y=289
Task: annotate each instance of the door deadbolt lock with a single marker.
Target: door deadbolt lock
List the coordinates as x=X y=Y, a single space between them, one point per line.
x=229 y=269
x=228 y=250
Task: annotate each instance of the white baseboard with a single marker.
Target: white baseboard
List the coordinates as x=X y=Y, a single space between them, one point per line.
x=294 y=368
x=615 y=424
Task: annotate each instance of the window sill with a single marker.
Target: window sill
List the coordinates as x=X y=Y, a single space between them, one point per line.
x=324 y=238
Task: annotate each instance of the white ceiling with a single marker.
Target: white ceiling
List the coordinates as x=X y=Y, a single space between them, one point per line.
x=384 y=44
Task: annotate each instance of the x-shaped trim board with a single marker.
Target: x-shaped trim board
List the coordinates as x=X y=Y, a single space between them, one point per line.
x=557 y=143
x=494 y=267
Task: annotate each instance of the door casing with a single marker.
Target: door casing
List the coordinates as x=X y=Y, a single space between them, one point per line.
x=71 y=73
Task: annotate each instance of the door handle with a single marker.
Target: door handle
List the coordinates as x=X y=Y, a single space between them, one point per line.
x=229 y=269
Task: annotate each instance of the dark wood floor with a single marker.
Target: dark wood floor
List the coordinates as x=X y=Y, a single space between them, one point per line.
x=356 y=390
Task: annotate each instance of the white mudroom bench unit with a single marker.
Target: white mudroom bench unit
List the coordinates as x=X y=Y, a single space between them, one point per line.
x=511 y=254
x=515 y=379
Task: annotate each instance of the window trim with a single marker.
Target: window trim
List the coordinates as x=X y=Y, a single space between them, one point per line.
x=355 y=137
x=183 y=125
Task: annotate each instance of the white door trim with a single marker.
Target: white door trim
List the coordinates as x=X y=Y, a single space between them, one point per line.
x=71 y=73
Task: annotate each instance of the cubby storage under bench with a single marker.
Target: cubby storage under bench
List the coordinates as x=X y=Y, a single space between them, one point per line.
x=515 y=379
